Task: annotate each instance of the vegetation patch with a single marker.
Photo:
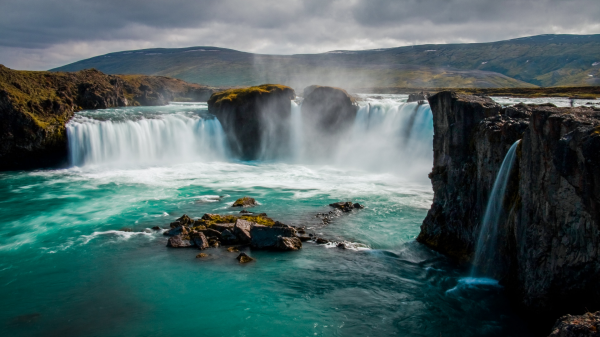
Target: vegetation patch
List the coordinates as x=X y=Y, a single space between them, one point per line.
x=238 y=96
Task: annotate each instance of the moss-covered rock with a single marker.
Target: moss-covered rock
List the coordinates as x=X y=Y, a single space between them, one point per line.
x=245 y=202
x=244 y=258
x=255 y=119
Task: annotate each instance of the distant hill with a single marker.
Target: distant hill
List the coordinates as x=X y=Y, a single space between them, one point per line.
x=544 y=60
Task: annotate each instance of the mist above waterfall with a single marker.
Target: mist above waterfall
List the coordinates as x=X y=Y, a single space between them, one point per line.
x=387 y=135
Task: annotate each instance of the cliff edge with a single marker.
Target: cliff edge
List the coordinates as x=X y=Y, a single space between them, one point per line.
x=547 y=249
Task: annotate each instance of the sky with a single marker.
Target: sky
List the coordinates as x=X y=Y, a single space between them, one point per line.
x=43 y=34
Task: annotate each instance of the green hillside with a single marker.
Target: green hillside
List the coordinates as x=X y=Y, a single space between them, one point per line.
x=545 y=60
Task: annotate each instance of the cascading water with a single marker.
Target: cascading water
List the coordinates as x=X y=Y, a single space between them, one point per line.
x=485 y=249
x=387 y=135
x=163 y=139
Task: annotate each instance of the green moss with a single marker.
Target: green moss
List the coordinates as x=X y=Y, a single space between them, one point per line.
x=241 y=94
x=212 y=219
x=243 y=201
x=261 y=220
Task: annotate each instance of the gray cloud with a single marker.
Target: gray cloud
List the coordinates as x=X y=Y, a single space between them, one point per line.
x=40 y=34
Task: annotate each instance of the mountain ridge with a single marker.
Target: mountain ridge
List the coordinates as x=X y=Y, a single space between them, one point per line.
x=543 y=60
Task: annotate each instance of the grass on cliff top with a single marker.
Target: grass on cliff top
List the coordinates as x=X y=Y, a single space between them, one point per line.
x=238 y=95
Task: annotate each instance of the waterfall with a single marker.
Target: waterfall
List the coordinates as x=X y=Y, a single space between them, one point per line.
x=387 y=135
x=486 y=246
x=171 y=138
x=296 y=131
x=390 y=136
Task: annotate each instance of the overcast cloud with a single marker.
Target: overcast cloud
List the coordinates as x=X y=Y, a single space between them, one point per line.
x=42 y=34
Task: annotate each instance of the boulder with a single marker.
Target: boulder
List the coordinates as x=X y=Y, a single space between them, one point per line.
x=328 y=109
x=202 y=255
x=346 y=206
x=180 y=241
x=268 y=237
x=200 y=240
x=233 y=249
x=176 y=231
x=586 y=325
x=288 y=243
x=184 y=220
x=242 y=230
x=212 y=233
x=221 y=227
x=321 y=241
x=228 y=237
x=255 y=119
x=245 y=202
x=244 y=258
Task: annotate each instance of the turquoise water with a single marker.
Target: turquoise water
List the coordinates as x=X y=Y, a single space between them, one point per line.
x=67 y=269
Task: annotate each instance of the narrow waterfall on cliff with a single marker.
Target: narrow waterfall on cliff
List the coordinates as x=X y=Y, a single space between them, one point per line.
x=486 y=246
x=132 y=140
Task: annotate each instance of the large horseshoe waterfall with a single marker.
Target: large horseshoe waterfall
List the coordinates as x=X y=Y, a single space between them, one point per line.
x=387 y=135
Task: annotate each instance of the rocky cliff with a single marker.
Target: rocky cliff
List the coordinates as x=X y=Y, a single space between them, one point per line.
x=548 y=239
x=256 y=120
x=36 y=105
x=327 y=113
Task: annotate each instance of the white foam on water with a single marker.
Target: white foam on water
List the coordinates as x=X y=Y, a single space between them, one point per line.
x=469 y=283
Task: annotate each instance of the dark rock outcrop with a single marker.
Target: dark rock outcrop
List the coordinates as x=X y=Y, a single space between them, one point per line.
x=265 y=237
x=180 y=241
x=245 y=202
x=199 y=240
x=36 y=105
x=328 y=109
x=586 y=325
x=288 y=243
x=244 y=258
x=547 y=242
x=346 y=206
x=418 y=97
x=255 y=119
x=242 y=230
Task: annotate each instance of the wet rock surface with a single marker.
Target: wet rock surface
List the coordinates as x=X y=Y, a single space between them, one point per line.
x=586 y=325
x=245 y=202
x=244 y=258
x=547 y=248
x=254 y=118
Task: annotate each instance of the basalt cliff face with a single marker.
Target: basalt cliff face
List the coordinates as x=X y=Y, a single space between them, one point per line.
x=548 y=233
x=255 y=119
x=36 y=105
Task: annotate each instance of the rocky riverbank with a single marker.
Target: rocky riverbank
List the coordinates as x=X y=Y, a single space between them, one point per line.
x=36 y=105
x=547 y=238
